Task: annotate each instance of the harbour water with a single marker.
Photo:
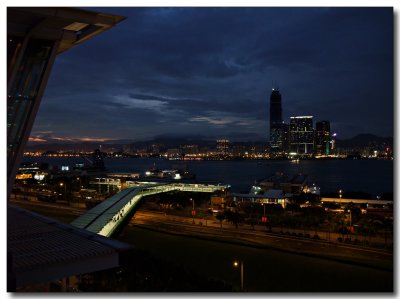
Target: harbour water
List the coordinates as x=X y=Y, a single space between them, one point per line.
x=371 y=176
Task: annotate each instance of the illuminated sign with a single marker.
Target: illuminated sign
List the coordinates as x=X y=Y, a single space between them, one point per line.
x=23 y=176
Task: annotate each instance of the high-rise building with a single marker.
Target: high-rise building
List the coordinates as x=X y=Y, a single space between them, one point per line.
x=98 y=161
x=333 y=143
x=285 y=137
x=190 y=149
x=301 y=135
x=322 y=138
x=223 y=146
x=275 y=121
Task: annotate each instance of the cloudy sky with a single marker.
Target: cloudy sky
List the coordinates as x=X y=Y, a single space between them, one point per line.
x=210 y=71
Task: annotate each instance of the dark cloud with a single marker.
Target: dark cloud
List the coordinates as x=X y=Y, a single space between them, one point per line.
x=195 y=70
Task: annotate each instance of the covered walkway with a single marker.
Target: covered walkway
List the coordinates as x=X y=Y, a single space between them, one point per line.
x=113 y=213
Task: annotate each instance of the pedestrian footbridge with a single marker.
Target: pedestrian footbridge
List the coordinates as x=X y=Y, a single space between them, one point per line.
x=108 y=217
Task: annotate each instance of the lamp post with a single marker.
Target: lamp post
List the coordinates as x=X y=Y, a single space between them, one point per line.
x=236 y=264
x=350 y=217
x=264 y=219
x=193 y=211
x=340 y=196
x=65 y=190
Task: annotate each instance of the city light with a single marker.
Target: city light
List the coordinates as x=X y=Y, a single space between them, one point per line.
x=236 y=264
x=126 y=225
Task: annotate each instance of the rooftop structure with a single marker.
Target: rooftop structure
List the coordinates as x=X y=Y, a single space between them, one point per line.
x=41 y=249
x=35 y=35
x=272 y=196
x=288 y=183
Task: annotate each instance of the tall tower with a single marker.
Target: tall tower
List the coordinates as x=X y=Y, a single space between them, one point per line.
x=322 y=137
x=301 y=135
x=275 y=120
x=98 y=161
x=223 y=146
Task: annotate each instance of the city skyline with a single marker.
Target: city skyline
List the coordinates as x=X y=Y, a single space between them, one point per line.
x=130 y=217
x=210 y=71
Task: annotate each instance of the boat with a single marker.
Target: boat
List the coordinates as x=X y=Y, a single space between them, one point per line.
x=176 y=174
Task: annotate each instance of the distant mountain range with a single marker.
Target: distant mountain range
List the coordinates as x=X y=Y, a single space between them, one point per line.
x=363 y=140
x=173 y=141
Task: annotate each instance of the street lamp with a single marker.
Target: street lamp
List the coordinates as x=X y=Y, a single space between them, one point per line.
x=340 y=196
x=193 y=211
x=264 y=219
x=65 y=190
x=236 y=264
x=350 y=217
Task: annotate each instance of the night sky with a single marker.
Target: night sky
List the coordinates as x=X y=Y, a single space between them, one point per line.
x=210 y=71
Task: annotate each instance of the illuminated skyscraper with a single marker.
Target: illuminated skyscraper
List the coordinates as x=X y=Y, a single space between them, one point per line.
x=223 y=146
x=285 y=137
x=275 y=121
x=301 y=134
x=322 y=138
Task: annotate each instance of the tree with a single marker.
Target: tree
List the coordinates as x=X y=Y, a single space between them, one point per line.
x=329 y=220
x=234 y=217
x=331 y=205
x=314 y=216
x=220 y=216
x=367 y=226
x=292 y=207
x=251 y=221
x=273 y=220
x=340 y=224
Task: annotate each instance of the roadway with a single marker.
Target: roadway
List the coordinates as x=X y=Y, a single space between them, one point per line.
x=183 y=226
x=381 y=259
x=265 y=270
